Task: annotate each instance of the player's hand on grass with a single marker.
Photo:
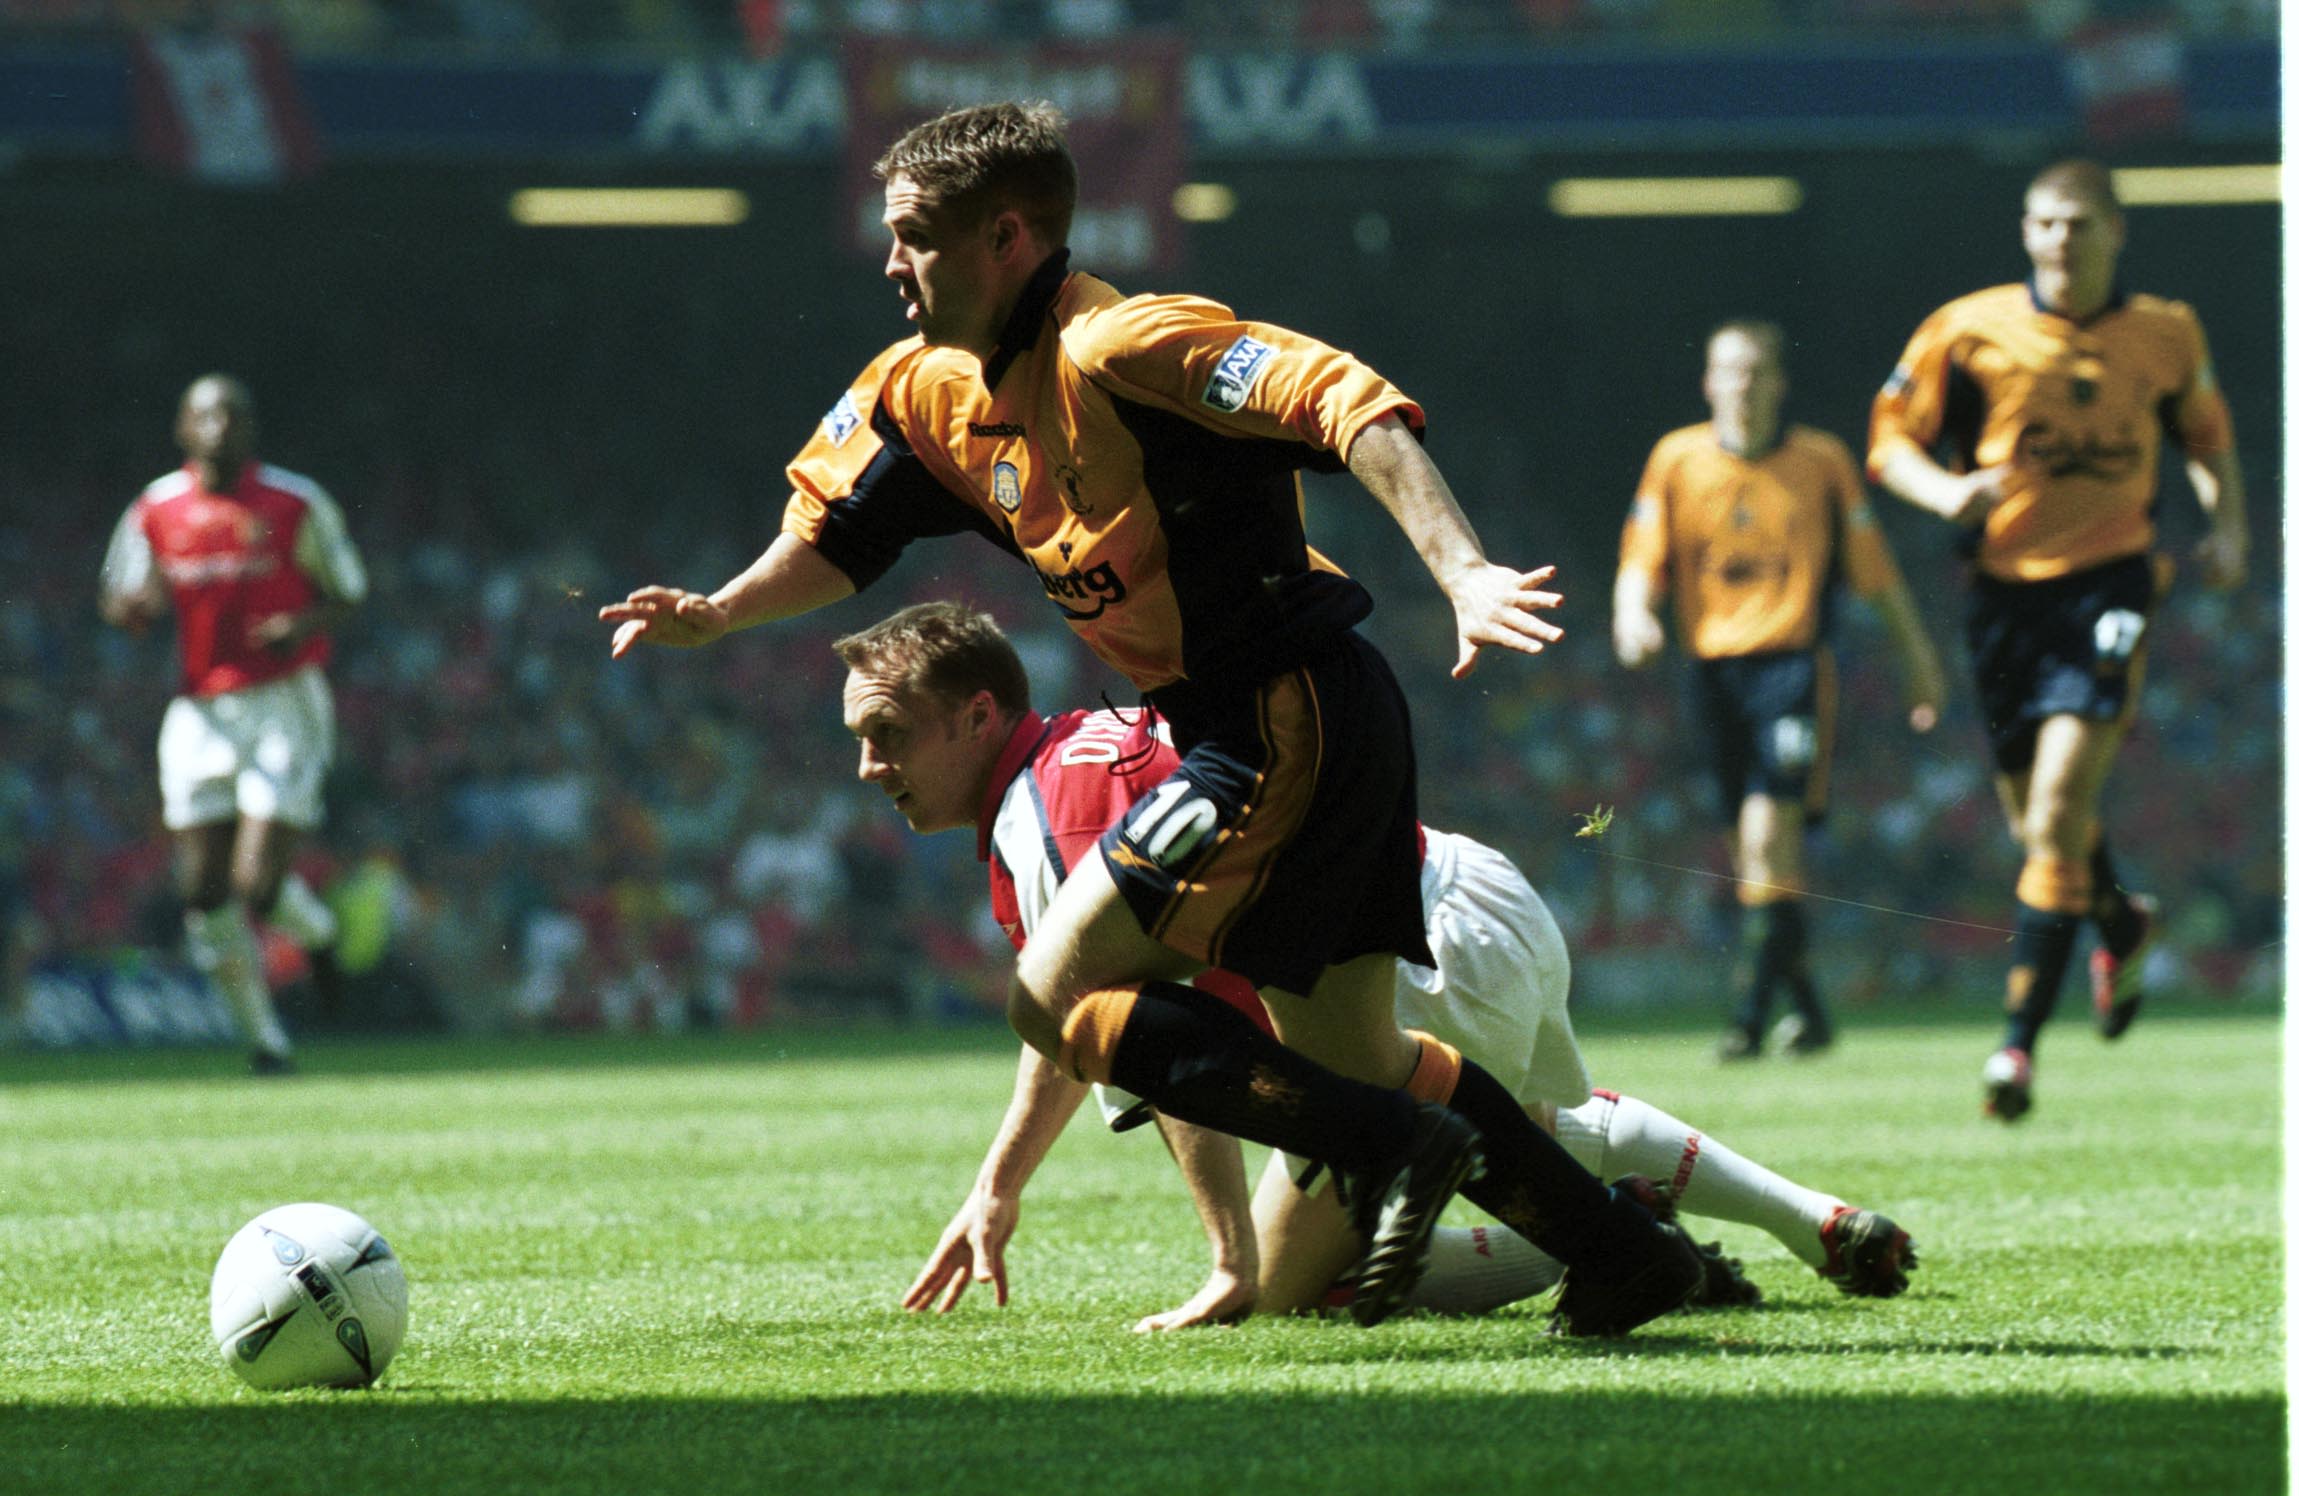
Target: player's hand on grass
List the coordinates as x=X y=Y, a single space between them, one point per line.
x=2221 y=559
x=1496 y=607
x=1226 y=1299
x=665 y=615
x=972 y=1250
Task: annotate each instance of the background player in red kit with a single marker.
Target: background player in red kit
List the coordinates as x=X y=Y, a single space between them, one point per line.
x=256 y=565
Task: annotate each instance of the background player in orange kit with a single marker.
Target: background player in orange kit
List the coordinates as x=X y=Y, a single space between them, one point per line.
x=1752 y=524
x=1141 y=455
x=2034 y=415
x=256 y=566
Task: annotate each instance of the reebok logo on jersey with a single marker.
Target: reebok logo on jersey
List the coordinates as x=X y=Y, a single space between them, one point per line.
x=839 y=424
x=1233 y=377
x=995 y=428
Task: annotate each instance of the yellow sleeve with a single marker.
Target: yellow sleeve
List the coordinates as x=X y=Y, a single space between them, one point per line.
x=1912 y=407
x=1644 y=538
x=1197 y=359
x=2198 y=415
x=860 y=490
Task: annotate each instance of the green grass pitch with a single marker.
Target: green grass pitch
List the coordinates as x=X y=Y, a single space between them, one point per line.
x=672 y=1265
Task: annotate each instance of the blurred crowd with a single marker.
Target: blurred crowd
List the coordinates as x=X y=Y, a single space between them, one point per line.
x=549 y=28
x=525 y=835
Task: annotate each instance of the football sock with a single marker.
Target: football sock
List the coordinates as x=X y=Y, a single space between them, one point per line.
x=2041 y=946
x=2119 y=923
x=1193 y=1056
x=302 y=915
x=1787 y=944
x=222 y=946
x=1531 y=1184
x=1613 y=1135
x=1774 y=938
x=1477 y=1269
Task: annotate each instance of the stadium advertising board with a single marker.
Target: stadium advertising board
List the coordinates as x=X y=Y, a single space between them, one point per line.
x=1125 y=130
x=78 y=100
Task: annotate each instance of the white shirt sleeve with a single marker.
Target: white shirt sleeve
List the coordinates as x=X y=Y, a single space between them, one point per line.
x=324 y=551
x=128 y=560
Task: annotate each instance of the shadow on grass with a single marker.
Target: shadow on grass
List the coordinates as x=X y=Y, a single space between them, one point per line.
x=1158 y=1445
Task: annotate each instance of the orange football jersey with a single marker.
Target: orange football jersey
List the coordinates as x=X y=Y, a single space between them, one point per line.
x=1141 y=454
x=1751 y=546
x=2079 y=410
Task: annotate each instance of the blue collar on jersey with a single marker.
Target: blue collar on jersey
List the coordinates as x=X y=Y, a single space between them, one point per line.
x=1021 y=330
x=2114 y=303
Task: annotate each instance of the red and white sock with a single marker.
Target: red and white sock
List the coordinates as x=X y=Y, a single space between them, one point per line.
x=1477 y=1269
x=1612 y=1135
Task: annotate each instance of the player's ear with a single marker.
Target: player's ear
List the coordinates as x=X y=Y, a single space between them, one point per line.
x=1006 y=233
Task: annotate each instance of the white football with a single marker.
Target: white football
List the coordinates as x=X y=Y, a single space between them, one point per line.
x=308 y=1296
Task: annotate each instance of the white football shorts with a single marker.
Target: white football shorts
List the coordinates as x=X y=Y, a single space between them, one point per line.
x=1500 y=984
x=261 y=753
x=1498 y=991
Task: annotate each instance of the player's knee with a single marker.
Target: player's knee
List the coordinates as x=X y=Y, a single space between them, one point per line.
x=1035 y=1018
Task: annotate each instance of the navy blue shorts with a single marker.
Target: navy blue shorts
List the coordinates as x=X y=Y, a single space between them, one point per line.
x=1770 y=719
x=2073 y=646
x=1288 y=840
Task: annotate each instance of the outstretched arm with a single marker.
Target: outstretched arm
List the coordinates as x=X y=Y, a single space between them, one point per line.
x=973 y=1246
x=1492 y=605
x=791 y=578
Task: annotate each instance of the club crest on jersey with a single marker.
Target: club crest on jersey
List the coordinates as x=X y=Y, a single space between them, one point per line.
x=1006 y=486
x=839 y=424
x=1233 y=377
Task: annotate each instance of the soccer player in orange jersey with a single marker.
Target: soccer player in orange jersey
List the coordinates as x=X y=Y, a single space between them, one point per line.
x=2034 y=416
x=1141 y=455
x=1751 y=523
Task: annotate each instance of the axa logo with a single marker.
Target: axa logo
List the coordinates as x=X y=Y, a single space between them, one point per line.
x=1233 y=378
x=1099 y=585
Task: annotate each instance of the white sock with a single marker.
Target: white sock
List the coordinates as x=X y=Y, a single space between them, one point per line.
x=1477 y=1269
x=303 y=915
x=222 y=945
x=1616 y=1135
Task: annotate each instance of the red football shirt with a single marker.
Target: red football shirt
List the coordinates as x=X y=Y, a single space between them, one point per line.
x=272 y=543
x=1059 y=785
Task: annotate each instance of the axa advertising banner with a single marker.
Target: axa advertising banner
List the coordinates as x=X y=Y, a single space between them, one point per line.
x=1126 y=131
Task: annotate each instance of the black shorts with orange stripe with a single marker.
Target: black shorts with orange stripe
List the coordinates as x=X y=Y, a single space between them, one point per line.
x=2072 y=646
x=1771 y=724
x=1287 y=840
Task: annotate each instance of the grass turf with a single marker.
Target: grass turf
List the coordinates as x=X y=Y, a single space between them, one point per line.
x=671 y=1265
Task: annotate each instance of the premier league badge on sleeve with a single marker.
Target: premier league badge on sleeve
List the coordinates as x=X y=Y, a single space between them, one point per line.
x=839 y=424
x=1233 y=377
x=1006 y=486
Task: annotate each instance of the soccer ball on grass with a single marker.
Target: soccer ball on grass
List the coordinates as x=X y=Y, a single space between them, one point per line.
x=308 y=1296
